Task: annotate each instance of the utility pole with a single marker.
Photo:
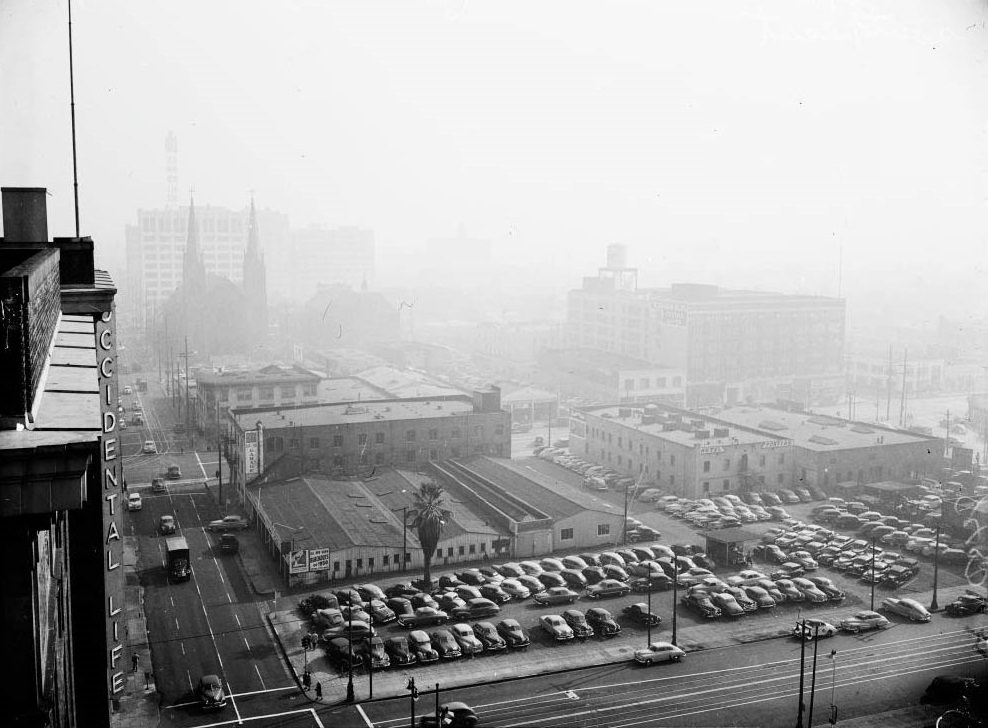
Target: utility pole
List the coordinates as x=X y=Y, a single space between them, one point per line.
x=936 y=571
x=902 y=399
x=872 y=575
x=188 y=424
x=675 y=600
x=802 y=671
x=816 y=641
x=888 y=401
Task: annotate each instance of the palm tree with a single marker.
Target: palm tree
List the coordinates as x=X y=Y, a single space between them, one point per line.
x=428 y=518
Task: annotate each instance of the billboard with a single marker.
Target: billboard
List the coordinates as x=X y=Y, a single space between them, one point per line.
x=298 y=562
x=318 y=559
x=252 y=455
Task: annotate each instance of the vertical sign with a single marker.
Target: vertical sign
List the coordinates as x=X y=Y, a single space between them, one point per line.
x=251 y=454
x=111 y=473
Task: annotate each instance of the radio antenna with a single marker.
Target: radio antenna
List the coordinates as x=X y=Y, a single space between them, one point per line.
x=75 y=169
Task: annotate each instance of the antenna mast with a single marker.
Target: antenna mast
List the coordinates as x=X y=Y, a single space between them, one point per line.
x=75 y=168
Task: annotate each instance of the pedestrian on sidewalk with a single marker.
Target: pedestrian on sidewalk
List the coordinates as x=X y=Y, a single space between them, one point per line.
x=306 y=680
x=318 y=691
x=148 y=677
x=135 y=660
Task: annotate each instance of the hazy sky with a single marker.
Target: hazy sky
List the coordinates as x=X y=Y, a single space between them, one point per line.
x=740 y=143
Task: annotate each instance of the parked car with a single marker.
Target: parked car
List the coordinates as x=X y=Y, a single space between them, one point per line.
x=380 y=612
x=401 y=589
x=577 y=621
x=550 y=564
x=760 y=596
x=556 y=627
x=421 y=646
x=603 y=622
x=608 y=588
x=158 y=485
x=804 y=559
x=574 y=578
x=373 y=652
x=476 y=609
x=449 y=581
x=593 y=574
x=469 y=643
x=228 y=523
x=863 y=621
x=727 y=604
x=533 y=585
x=513 y=633
x=909 y=608
x=551 y=579
x=741 y=597
x=149 y=448
x=468 y=592
x=515 y=589
x=831 y=590
x=792 y=594
x=810 y=591
x=659 y=582
x=488 y=636
x=134 y=502
x=659 y=652
x=618 y=573
x=574 y=562
x=556 y=595
x=472 y=577
x=966 y=604
x=495 y=593
x=809 y=629
x=445 y=644
x=423 y=617
x=701 y=604
x=210 y=693
x=398 y=650
x=640 y=613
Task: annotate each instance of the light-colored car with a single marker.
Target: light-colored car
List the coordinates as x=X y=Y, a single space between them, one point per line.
x=149 y=448
x=228 y=523
x=863 y=621
x=466 y=639
x=659 y=652
x=134 y=502
x=909 y=608
x=556 y=627
x=516 y=589
x=166 y=525
x=814 y=627
x=608 y=588
x=556 y=595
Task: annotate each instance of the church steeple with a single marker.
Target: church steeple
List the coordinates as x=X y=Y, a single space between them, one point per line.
x=255 y=280
x=193 y=269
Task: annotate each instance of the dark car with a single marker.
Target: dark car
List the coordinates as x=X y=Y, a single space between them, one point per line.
x=371 y=591
x=449 y=601
x=350 y=597
x=488 y=636
x=948 y=689
x=551 y=579
x=399 y=651
x=590 y=558
x=372 y=651
x=578 y=623
x=210 y=693
x=966 y=604
x=423 y=600
x=339 y=651
x=556 y=595
x=727 y=604
x=476 y=609
x=830 y=590
x=593 y=574
x=704 y=561
x=380 y=612
x=421 y=646
x=574 y=578
x=445 y=644
x=473 y=577
x=228 y=523
x=533 y=585
x=400 y=606
x=608 y=588
x=654 y=583
x=452 y=715
x=401 y=589
x=423 y=617
x=701 y=604
x=495 y=593
x=640 y=613
x=613 y=571
x=229 y=544
x=603 y=622
x=449 y=581
x=513 y=633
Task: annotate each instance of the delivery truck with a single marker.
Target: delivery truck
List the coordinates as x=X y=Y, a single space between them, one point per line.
x=179 y=567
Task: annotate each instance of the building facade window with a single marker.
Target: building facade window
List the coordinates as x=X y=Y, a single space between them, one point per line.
x=727 y=463
x=603 y=529
x=378 y=438
x=456 y=433
x=566 y=534
x=362 y=439
x=314 y=443
x=266 y=394
x=434 y=434
x=706 y=466
x=409 y=456
x=409 y=435
x=293 y=444
x=337 y=440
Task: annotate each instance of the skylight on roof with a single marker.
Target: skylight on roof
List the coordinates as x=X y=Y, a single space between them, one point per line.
x=864 y=430
x=821 y=440
x=771 y=425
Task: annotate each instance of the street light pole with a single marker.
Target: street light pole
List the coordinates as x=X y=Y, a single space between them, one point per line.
x=802 y=671
x=349 y=639
x=833 y=688
x=404 y=538
x=873 y=574
x=936 y=571
x=675 y=598
x=816 y=642
x=648 y=620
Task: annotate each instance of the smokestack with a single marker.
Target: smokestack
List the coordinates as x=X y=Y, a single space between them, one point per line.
x=25 y=214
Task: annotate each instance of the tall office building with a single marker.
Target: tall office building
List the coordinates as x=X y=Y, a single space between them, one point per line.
x=316 y=256
x=734 y=345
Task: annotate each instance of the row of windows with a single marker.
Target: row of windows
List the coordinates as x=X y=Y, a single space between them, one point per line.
x=246 y=394
x=645 y=383
x=277 y=444
x=603 y=529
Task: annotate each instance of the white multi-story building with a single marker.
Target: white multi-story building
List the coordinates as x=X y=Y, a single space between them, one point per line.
x=323 y=257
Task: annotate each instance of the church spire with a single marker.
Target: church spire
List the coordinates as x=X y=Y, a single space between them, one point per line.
x=253 y=244
x=193 y=269
x=255 y=280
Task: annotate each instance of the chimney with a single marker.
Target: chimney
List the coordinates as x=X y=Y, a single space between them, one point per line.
x=25 y=214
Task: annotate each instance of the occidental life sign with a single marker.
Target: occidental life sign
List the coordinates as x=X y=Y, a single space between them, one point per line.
x=111 y=469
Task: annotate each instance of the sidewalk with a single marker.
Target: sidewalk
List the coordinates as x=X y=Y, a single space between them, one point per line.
x=138 y=703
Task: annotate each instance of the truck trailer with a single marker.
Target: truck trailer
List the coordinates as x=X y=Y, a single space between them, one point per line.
x=179 y=567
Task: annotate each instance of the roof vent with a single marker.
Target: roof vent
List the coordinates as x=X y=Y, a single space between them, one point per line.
x=821 y=440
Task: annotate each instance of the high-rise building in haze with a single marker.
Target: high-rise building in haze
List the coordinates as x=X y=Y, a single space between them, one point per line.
x=316 y=256
x=734 y=345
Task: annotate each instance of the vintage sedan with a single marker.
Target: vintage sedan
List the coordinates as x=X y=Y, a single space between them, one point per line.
x=551 y=579
x=760 y=596
x=556 y=627
x=655 y=583
x=533 y=585
x=445 y=644
x=469 y=644
x=811 y=591
x=455 y=715
x=557 y=595
x=356 y=630
x=368 y=592
x=603 y=622
x=966 y=604
x=863 y=621
x=574 y=562
x=804 y=559
x=593 y=574
x=513 y=633
x=790 y=591
x=573 y=578
x=727 y=604
x=228 y=523
x=515 y=589
x=741 y=597
x=608 y=588
x=551 y=564
x=166 y=525
x=476 y=609
x=640 y=613
x=909 y=608
x=401 y=589
x=701 y=604
x=449 y=601
x=379 y=612
x=577 y=621
x=488 y=636
x=495 y=593
x=399 y=651
x=423 y=617
x=468 y=592
x=659 y=652
x=810 y=628
x=833 y=592
x=421 y=647
x=788 y=570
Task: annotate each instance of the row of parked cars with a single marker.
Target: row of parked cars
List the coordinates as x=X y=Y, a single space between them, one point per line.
x=726 y=511
x=595 y=476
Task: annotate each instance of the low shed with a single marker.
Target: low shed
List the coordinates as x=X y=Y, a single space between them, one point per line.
x=728 y=545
